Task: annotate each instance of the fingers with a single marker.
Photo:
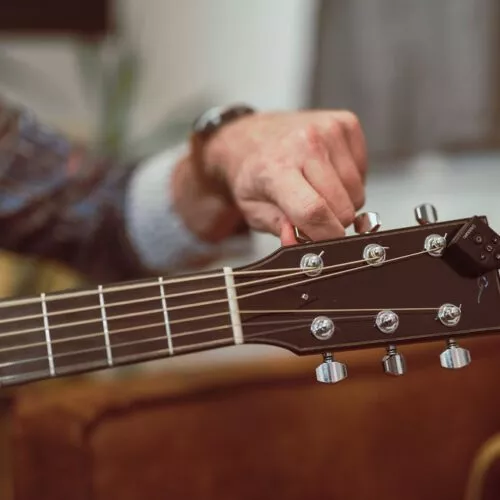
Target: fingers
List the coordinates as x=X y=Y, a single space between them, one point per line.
x=355 y=140
x=304 y=207
x=325 y=180
x=287 y=234
x=346 y=165
x=265 y=217
x=309 y=172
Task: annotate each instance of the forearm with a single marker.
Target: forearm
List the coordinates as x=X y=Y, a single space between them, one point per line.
x=58 y=202
x=110 y=222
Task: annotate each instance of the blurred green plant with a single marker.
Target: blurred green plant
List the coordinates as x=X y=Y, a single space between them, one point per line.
x=113 y=73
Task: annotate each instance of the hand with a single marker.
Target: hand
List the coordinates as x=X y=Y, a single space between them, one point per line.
x=304 y=169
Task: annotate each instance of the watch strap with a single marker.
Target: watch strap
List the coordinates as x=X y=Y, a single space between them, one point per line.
x=203 y=128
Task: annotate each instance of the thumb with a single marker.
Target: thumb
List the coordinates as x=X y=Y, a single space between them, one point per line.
x=287 y=234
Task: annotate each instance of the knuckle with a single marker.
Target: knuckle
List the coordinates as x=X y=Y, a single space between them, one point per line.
x=349 y=175
x=352 y=180
x=315 y=212
x=351 y=121
x=346 y=214
x=335 y=128
x=265 y=178
x=274 y=166
x=313 y=139
x=353 y=183
x=359 y=199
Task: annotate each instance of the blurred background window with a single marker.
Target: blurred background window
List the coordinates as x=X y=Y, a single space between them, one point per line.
x=421 y=75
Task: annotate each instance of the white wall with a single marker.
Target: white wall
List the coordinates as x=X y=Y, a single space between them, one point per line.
x=256 y=51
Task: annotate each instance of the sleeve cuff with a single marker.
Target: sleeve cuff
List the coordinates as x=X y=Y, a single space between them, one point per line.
x=155 y=230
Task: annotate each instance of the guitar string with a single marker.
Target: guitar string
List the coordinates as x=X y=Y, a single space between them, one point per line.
x=338 y=273
x=206 y=303
x=149 y=339
x=67 y=370
x=230 y=340
x=193 y=318
x=37 y=299
x=168 y=281
x=195 y=332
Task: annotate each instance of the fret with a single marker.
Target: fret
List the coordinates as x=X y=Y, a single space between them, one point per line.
x=233 y=305
x=48 y=341
x=165 y=317
x=137 y=323
x=23 y=344
x=109 y=354
x=199 y=319
x=140 y=330
x=76 y=330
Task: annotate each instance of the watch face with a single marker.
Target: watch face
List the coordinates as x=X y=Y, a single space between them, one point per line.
x=213 y=118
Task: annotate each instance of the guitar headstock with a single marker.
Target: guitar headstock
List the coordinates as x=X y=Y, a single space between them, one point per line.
x=436 y=280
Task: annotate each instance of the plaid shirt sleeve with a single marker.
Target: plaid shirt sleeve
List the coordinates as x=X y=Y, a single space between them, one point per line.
x=109 y=221
x=58 y=202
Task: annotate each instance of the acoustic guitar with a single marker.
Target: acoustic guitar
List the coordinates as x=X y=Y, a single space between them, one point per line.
x=436 y=280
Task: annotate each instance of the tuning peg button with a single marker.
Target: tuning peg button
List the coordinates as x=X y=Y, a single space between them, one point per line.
x=426 y=214
x=394 y=362
x=300 y=236
x=454 y=357
x=367 y=222
x=330 y=371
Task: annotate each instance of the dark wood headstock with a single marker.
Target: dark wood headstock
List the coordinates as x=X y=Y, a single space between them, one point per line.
x=414 y=285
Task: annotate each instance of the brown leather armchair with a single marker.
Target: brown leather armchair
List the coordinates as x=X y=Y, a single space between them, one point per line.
x=265 y=430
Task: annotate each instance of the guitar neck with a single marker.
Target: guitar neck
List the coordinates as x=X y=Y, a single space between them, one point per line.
x=66 y=333
x=321 y=297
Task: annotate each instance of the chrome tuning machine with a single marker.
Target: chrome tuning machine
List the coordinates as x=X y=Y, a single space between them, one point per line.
x=300 y=236
x=367 y=222
x=364 y=223
x=454 y=356
x=393 y=362
x=330 y=371
x=426 y=214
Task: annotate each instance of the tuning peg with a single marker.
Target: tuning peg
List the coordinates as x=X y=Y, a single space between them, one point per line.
x=300 y=236
x=454 y=357
x=426 y=214
x=394 y=362
x=330 y=371
x=367 y=222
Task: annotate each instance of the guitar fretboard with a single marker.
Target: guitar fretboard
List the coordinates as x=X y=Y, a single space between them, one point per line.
x=72 y=332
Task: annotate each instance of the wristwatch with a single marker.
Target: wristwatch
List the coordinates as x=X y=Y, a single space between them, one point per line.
x=203 y=128
x=213 y=119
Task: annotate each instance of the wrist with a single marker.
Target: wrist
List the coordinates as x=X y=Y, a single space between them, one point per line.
x=227 y=148
x=207 y=214
x=175 y=234
x=214 y=146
